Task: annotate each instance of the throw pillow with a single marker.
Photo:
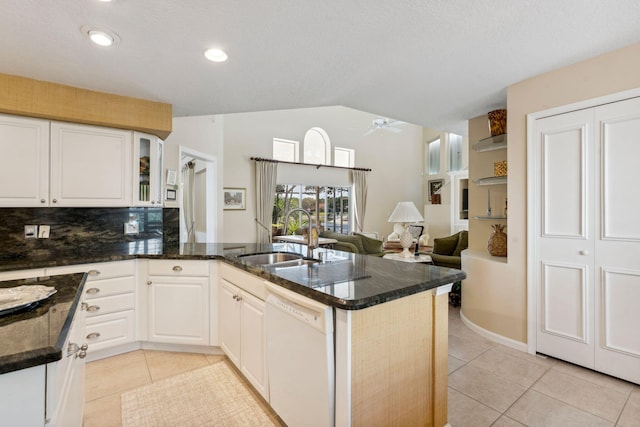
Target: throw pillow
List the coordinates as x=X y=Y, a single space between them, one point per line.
x=371 y=246
x=463 y=243
x=445 y=245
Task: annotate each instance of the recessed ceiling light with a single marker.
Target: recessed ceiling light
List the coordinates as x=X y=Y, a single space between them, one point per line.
x=215 y=55
x=100 y=36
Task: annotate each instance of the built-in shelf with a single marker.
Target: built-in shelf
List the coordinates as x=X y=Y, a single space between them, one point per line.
x=491 y=180
x=490 y=218
x=497 y=142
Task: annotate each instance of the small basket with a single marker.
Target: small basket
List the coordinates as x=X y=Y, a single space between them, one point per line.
x=497 y=122
x=500 y=168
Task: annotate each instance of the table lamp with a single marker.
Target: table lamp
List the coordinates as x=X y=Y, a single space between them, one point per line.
x=406 y=213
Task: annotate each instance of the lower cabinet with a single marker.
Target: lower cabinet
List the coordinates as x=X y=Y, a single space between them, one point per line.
x=242 y=332
x=110 y=295
x=178 y=302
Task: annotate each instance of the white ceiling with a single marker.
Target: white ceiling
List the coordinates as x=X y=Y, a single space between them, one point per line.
x=434 y=63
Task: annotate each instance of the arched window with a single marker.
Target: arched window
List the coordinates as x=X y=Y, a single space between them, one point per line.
x=317 y=147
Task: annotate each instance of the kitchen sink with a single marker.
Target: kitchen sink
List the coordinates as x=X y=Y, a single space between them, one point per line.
x=276 y=259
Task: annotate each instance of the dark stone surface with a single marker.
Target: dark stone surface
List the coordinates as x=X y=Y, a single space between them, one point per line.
x=35 y=335
x=76 y=232
x=344 y=280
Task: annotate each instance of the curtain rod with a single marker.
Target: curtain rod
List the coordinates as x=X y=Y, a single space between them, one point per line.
x=318 y=166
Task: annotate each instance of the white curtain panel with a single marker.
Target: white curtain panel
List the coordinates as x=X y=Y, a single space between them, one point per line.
x=266 y=173
x=360 y=186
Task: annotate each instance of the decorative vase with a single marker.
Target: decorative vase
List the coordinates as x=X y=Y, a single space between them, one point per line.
x=497 y=122
x=497 y=245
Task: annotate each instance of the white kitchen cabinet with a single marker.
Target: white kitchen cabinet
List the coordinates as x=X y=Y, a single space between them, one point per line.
x=147 y=170
x=178 y=302
x=242 y=326
x=110 y=295
x=90 y=166
x=24 y=163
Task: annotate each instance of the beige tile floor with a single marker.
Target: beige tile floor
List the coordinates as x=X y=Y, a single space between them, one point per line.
x=489 y=385
x=493 y=385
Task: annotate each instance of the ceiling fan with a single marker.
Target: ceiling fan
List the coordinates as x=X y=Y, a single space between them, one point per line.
x=384 y=124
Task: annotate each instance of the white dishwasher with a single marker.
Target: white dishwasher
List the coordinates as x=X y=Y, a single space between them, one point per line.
x=300 y=358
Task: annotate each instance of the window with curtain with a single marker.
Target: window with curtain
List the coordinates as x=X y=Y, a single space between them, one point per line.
x=317 y=147
x=329 y=207
x=455 y=152
x=286 y=150
x=434 y=157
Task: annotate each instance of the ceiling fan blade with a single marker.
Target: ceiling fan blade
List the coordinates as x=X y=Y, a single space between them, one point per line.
x=369 y=132
x=390 y=129
x=396 y=123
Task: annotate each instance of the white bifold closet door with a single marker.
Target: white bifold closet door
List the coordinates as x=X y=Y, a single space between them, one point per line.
x=587 y=256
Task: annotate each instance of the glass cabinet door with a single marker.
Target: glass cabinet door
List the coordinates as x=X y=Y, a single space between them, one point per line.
x=148 y=169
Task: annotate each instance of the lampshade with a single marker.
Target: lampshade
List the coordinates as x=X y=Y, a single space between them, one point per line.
x=405 y=212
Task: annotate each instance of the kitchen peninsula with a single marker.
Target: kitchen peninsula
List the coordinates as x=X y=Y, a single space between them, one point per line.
x=390 y=320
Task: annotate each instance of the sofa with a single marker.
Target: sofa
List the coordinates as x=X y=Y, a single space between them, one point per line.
x=356 y=243
x=446 y=250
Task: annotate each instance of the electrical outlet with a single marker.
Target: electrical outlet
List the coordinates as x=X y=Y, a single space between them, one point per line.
x=44 y=231
x=30 y=231
x=131 y=227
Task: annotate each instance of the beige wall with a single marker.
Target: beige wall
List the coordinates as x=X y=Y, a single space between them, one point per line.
x=395 y=159
x=613 y=72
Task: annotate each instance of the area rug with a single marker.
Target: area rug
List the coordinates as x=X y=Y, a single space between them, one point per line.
x=210 y=396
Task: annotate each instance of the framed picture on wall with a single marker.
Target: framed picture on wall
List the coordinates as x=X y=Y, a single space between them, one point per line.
x=234 y=199
x=434 y=188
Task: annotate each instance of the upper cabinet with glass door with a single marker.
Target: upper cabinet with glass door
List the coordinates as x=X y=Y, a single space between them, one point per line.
x=147 y=161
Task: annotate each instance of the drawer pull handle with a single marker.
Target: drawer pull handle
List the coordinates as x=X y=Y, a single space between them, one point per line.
x=93 y=335
x=93 y=291
x=93 y=308
x=177 y=268
x=93 y=272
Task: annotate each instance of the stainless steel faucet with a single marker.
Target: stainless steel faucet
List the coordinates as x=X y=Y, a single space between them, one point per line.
x=312 y=236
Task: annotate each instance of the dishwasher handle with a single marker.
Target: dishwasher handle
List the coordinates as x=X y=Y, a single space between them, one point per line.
x=311 y=312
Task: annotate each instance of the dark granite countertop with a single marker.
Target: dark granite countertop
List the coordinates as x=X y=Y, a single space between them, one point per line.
x=35 y=335
x=343 y=280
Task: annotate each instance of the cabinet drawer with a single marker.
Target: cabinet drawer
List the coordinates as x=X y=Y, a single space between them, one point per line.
x=245 y=281
x=98 y=271
x=109 y=330
x=110 y=304
x=103 y=288
x=178 y=267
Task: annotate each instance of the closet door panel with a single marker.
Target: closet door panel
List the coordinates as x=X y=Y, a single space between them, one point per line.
x=564 y=237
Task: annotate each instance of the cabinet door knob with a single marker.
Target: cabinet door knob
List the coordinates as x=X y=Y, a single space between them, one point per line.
x=93 y=291
x=55 y=200
x=584 y=252
x=82 y=354
x=43 y=201
x=84 y=347
x=93 y=335
x=149 y=282
x=177 y=268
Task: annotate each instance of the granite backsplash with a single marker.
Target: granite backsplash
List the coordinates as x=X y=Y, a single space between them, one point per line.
x=86 y=230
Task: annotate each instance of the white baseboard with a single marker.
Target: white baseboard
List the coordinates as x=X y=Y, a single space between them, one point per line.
x=137 y=345
x=518 y=345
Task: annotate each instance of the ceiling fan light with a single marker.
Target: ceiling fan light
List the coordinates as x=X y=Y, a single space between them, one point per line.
x=216 y=55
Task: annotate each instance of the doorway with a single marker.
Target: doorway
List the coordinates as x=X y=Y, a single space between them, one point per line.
x=197 y=196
